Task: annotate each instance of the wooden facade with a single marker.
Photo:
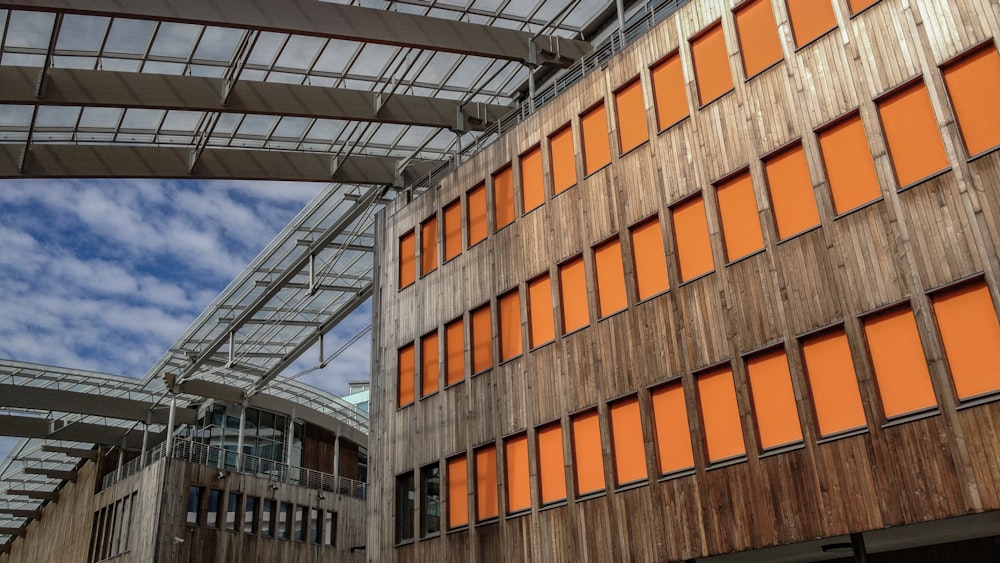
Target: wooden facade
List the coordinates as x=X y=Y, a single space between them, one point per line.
x=890 y=258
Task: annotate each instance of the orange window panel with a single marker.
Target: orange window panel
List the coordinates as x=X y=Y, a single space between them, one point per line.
x=532 y=180
x=858 y=5
x=626 y=438
x=503 y=198
x=428 y=246
x=407 y=376
x=912 y=134
x=518 y=481
x=773 y=399
x=540 y=311
x=810 y=19
x=588 y=460
x=669 y=91
x=407 y=259
x=573 y=295
x=849 y=165
x=758 y=35
x=711 y=63
x=452 y=218
x=429 y=364
x=510 y=325
x=740 y=221
x=454 y=351
x=551 y=464
x=974 y=86
x=834 y=385
x=563 y=160
x=971 y=336
x=458 y=491
x=631 y=108
x=596 y=144
x=694 y=249
x=904 y=384
x=649 y=256
x=791 y=189
x=475 y=214
x=487 y=501
x=720 y=414
x=673 y=433
x=611 y=295
x=482 y=338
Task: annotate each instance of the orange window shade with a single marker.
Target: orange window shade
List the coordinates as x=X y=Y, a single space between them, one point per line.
x=650 y=258
x=720 y=414
x=588 y=460
x=971 y=336
x=673 y=433
x=669 y=91
x=458 y=491
x=551 y=464
x=740 y=221
x=428 y=246
x=518 y=481
x=510 y=325
x=454 y=351
x=694 y=249
x=573 y=295
x=611 y=294
x=773 y=399
x=503 y=198
x=791 y=190
x=482 y=339
x=758 y=35
x=912 y=134
x=407 y=259
x=407 y=377
x=542 y=323
x=429 y=364
x=834 y=385
x=452 y=217
x=858 y=5
x=810 y=19
x=563 y=161
x=849 y=165
x=626 y=437
x=631 y=108
x=532 y=180
x=475 y=201
x=711 y=63
x=974 y=86
x=487 y=503
x=904 y=384
x=596 y=144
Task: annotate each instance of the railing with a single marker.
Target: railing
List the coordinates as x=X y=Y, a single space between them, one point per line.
x=226 y=459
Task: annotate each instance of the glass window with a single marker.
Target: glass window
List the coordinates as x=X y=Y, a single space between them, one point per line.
x=285 y=521
x=904 y=384
x=551 y=464
x=611 y=294
x=774 y=404
x=596 y=144
x=482 y=338
x=758 y=35
x=214 y=506
x=267 y=518
x=573 y=295
x=626 y=441
x=195 y=494
x=299 y=526
x=673 y=434
x=694 y=248
x=973 y=82
x=791 y=190
x=532 y=180
x=631 y=108
x=232 y=507
x=649 y=258
x=458 y=491
x=428 y=246
x=563 y=161
x=912 y=134
x=588 y=458
x=406 y=382
x=850 y=169
x=971 y=336
x=810 y=19
x=315 y=522
x=541 y=326
x=711 y=63
x=429 y=375
x=720 y=414
x=740 y=220
x=330 y=528
x=487 y=503
x=430 y=500
x=407 y=259
x=452 y=219
x=518 y=480
x=454 y=351
x=834 y=385
x=503 y=198
x=511 y=343
x=475 y=202
x=858 y=5
x=250 y=521
x=669 y=91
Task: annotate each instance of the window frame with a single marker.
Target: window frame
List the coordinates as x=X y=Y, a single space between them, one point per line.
x=821 y=332
x=676 y=53
x=635 y=81
x=565 y=129
x=985 y=45
x=743 y=6
x=730 y=180
x=833 y=124
x=707 y=30
x=768 y=189
x=915 y=82
x=803 y=45
x=520 y=177
x=599 y=106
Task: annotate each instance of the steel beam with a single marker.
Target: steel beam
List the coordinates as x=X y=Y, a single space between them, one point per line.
x=51 y=473
x=44 y=429
x=37 y=495
x=8 y=531
x=57 y=400
x=17 y=513
x=71 y=452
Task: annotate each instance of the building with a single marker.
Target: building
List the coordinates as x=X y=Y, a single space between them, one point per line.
x=731 y=291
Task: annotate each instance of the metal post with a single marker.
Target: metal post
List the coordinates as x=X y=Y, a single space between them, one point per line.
x=121 y=459
x=239 y=439
x=289 y=442
x=336 y=457
x=145 y=441
x=858 y=546
x=620 y=8
x=531 y=90
x=170 y=422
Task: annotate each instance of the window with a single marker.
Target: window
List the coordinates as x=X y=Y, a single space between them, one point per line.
x=835 y=395
x=669 y=91
x=458 y=491
x=250 y=522
x=315 y=522
x=301 y=523
x=791 y=190
x=430 y=500
x=487 y=503
x=904 y=384
x=626 y=439
x=740 y=220
x=404 y=507
x=973 y=82
x=720 y=414
x=195 y=494
x=407 y=259
x=511 y=342
x=541 y=323
x=649 y=258
x=631 y=109
x=232 y=506
x=611 y=295
x=573 y=295
x=454 y=351
x=563 y=161
x=330 y=528
x=596 y=145
x=429 y=364
x=971 y=336
x=588 y=459
x=758 y=35
x=849 y=165
x=452 y=219
x=267 y=518
x=551 y=464
x=858 y=5
x=711 y=63
x=673 y=433
x=774 y=404
x=214 y=506
x=475 y=201
x=694 y=249
x=912 y=134
x=404 y=393
x=285 y=521
x=532 y=180
x=503 y=198
x=428 y=246
x=518 y=481
x=810 y=19
x=482 y=339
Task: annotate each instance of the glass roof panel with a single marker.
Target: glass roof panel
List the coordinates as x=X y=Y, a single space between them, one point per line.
x=439 y=66
x=175 y=39
x=158 y=67
x=336 y=55
x=100 y=118
x=177 y=120
x=29 y=29
x=299 y=52
x=124 y=65
x=257 y=125
x=218 y=43
x=57 y=116
x=142 y=118
x=82 y=33
x=73 y=62
x=266 y=48
x=15 y=116
x=285 y=78
x=228 y=122
x=375 y=58
x=206 y=70
x=20 y=59
x=129 y=36
x=292 y=127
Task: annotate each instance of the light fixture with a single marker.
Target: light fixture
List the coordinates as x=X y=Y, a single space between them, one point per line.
x=841 y=547
x=274 y=487
x=320 y=496
x=220 y=475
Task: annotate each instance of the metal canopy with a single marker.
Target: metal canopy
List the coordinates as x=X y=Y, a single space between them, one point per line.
x=46 y=398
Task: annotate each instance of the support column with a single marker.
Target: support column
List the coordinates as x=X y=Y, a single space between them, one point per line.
x=858 y=546
x=170 y=422
x=121 y=459
x=290 y=439
x=145 y=441
x=336 y=456
x=239 y=438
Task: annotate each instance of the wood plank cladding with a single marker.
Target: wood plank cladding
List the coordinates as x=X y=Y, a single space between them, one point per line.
x=746 y=352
